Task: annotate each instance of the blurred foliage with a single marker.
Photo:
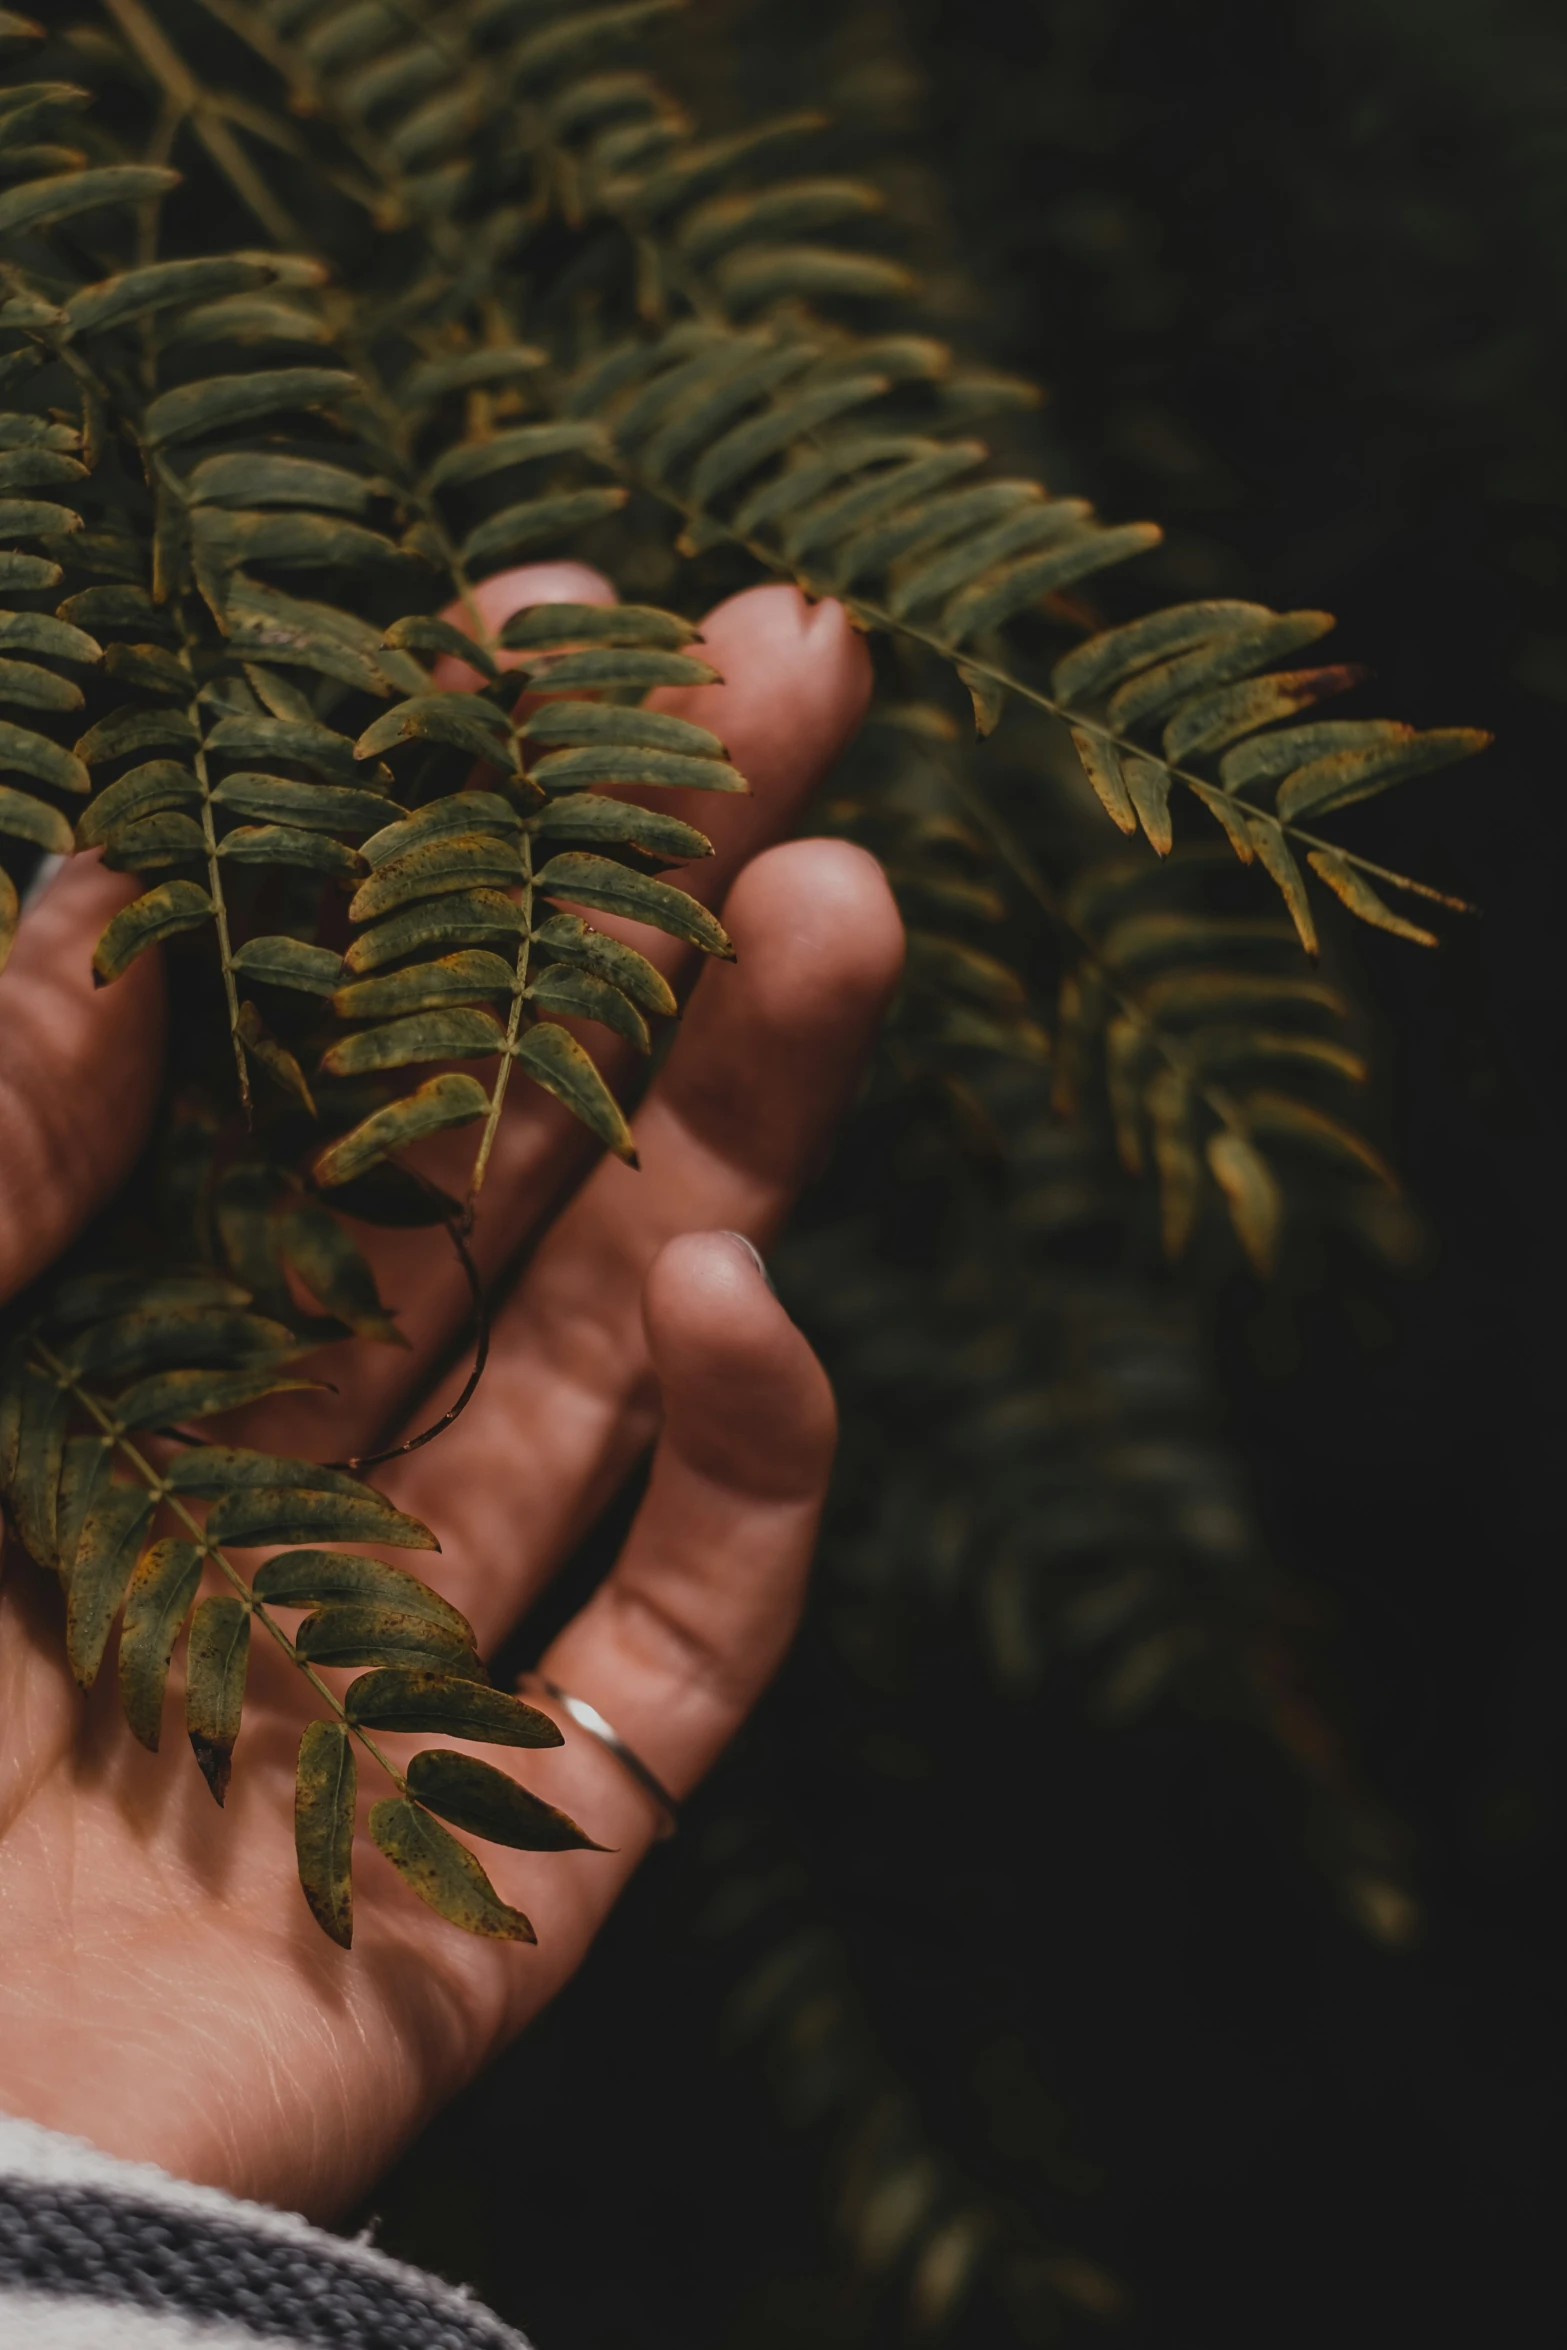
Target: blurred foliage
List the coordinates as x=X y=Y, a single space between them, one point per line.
x=1044 y=1964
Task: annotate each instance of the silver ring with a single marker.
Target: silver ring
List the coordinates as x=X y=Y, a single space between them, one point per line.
x=587 y=1717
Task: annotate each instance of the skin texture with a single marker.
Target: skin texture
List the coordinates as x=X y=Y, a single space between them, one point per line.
x=163 y=1990
x=76 y=1068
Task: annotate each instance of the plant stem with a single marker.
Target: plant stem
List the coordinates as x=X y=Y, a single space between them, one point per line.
x=513 y=1023
x=186 y=95
x=221 y=917
x=877 y=616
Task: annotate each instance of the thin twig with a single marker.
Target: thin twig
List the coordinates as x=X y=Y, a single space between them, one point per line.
x=481 y=1355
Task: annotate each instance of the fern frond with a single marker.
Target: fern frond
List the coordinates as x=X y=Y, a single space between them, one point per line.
x=42 y=656
x=1228 y=1066
x=1031 y=1468
x=951 y=568
x=737 y=410
x=158 y=814
x=942 y=2247
x=473 y=868
x=111 y=1361
x=1219 y=1053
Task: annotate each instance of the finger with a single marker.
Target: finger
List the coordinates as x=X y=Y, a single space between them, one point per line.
x=680 y=1641
x=797 y=682
x=770 y=1054
x=78 y=1068
x=495 y=600
x=415 y=1273
x=797 y=678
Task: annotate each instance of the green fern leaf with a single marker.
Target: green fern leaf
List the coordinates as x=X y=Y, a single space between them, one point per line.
x=596 y=881
x=250 y=1515
x=476 y=1796
x=217 y=1662
x=160 y=1596
x=609 y=959
x=447 y=921
x=444 y=1035
x=406 y=1698
x=443 y=1873
x=33 y=754
x=290 y=963
x=463 y=978
x=330 y=1578
x=587 y=816
x=222 y=403
x=111 y=1539
x=460 y=861
x=451 y=1100
x=554 y=1059
x=24 y=818
x=660 y=770
x=355 y=1632
x=325 y=1794
x=633 y=626
x=519 y=528
x=46 y=202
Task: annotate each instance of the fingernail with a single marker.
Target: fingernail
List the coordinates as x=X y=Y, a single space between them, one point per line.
x=42 y=875
x=755 y=1255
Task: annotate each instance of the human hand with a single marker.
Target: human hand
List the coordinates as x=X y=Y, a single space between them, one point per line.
x=163 y=1989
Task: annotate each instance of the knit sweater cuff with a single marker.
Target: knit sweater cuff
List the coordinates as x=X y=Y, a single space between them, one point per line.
x=96 y=2251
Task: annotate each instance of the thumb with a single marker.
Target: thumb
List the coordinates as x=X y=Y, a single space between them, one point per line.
x=78 y=1067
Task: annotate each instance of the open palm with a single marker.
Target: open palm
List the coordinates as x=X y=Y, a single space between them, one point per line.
x=163 y=1989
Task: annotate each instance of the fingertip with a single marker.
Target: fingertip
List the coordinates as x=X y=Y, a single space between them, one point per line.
x=773 y=1045
x=82 y=889
x=78 y=1064
x=796 y=684
x=58 y=932
x=745 y=1399
x=506 y=592
x=795 y=657
x=749 y=1249
x=779 y=618
x=818 y=935
x=498 y=597
x=707 y=1290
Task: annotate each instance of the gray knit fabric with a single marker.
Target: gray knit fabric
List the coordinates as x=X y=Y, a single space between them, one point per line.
x=96 y=2252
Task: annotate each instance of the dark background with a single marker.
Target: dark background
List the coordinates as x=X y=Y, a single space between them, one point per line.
x=1296 y=278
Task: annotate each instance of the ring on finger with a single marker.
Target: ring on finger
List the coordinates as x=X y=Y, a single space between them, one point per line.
x=587 y=1717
